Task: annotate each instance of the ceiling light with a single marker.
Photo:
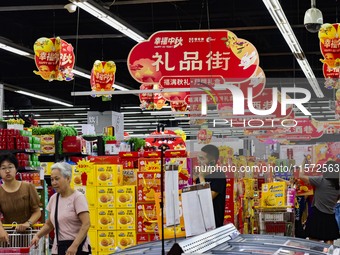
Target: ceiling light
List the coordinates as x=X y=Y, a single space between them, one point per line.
x=82 y=74
x=14 y=50
x=282 y=23
x=119 y=87
x=101 y=13
x=48 y=99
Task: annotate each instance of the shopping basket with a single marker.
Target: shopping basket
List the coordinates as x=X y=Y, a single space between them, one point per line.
x=20 y=242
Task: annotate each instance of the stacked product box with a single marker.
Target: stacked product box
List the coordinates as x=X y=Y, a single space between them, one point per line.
x=111 y=205
x=148 y=184
x=47 y=143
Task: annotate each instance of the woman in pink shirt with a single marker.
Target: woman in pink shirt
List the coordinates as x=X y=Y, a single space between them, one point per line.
x=72 y=214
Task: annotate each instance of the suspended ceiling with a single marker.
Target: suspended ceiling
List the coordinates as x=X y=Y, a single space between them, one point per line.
x=23 y=22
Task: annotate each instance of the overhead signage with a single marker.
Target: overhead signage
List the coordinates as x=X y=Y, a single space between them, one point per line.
x=103 y=76
x=330 y=49
x=54 y=59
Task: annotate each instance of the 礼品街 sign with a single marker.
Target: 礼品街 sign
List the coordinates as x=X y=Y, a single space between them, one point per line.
x=173 y=58
x=54 y=59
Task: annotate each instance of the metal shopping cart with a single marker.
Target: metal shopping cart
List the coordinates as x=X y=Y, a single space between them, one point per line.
x=19 y=242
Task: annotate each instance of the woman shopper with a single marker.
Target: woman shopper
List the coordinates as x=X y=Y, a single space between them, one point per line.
x=68 y=215
x=321 y=223
x=19 y=201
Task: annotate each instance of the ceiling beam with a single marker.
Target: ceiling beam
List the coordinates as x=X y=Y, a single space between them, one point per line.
x=127 y=2
x=30 y=8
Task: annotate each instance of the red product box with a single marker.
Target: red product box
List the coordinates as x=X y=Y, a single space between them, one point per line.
x=152 y=154
x=142 y=238
x=108 y=159
x=146 y=218
x=129 y=160
x=73 y=144
x=149 y=165
x=148 y=183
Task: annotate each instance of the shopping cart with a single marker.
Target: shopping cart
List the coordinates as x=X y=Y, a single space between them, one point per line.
x=20 y=242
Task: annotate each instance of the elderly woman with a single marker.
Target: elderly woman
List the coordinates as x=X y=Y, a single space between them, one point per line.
x=68 y=215
x=19 y=201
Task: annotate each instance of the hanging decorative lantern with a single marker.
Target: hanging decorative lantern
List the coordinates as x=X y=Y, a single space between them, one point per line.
x=167 y=138
x=204 y=135
x=103 y=77
x=329 y=46
x=54 y=59
x=150 y=101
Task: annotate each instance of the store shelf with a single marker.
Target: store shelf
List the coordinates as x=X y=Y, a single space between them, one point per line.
x=70 y=154
x=29 y=151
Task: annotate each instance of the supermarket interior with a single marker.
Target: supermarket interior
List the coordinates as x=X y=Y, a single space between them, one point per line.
x=231 y=146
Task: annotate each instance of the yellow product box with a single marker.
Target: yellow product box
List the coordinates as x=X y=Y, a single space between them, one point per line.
x=93 y=218
x=273 y=194
x=92 y=234
x=106 y=197
x=47 y=149
x=86 y=177
x=129 y=176
x=106 y=241
x=125 y=196
x=46 y=139
x=47 y=167
x=90 y=194
x=106 y=219
x=125 y=238
x=109 y=175
x=126 y=218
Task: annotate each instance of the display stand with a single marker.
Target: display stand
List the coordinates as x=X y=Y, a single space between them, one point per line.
x=275 y=220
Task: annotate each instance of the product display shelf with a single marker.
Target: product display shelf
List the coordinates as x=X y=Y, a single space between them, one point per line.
x=275 y=220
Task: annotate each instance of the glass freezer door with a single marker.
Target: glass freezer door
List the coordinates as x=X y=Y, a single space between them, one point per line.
x=282 y=241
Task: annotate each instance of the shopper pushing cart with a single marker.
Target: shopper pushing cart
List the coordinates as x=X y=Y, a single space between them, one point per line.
x=20 y=242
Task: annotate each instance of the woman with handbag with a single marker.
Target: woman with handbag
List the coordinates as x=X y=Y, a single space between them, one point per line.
x=68 y=215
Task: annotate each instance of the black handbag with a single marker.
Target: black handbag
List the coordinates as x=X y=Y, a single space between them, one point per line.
x=63 y=245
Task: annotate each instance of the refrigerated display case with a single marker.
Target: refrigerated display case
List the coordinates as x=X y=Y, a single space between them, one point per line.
x=228 y=240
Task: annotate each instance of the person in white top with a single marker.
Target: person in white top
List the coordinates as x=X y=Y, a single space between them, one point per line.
x=73 y=214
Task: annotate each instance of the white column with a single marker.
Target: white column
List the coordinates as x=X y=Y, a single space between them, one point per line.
x=2 y=100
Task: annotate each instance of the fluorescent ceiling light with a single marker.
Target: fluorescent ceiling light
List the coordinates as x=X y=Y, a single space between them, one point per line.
x=138 y=107
x=69 y=109
x=286 y=30
x=43 y=98
x=14 y=50
x=107 y=17
x=82 y=74
x=55 y=119
x=119 y=87
x=133 y=112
